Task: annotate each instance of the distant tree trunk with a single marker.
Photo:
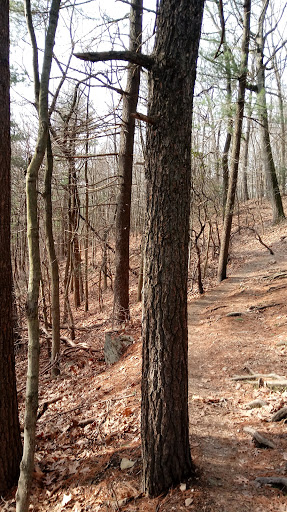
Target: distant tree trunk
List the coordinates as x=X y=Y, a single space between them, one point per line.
x=246 y=153
x=282 y=126
x=165 y=427
x=31 y=406
x=10 y=440
x=86 y=243
x=225 y=239
x=53 y=261
x=225 y=166
x=269 y=166
x=130 y=100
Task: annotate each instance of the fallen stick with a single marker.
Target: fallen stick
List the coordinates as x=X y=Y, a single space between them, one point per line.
x=258 y=439
x=69 y=342
x=43 y=408
x=261 y=308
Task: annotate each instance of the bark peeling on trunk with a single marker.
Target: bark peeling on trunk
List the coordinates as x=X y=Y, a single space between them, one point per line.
x=165 y=429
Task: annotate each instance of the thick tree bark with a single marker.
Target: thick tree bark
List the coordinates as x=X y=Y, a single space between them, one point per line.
x=10 y=440
x=165 y=429
x=27 y=463
x=130 y=100
x=225 y=239
x=268 y=161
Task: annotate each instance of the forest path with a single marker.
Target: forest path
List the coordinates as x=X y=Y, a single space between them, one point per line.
x=234 y=328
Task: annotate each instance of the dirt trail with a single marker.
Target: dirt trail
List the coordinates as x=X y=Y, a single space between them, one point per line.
x=234 y=328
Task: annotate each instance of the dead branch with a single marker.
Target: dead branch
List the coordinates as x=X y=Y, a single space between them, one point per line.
x=264 y=306
x=256 y=236
x=259 y=440
x=70 y=343
x=43 y=408
x=128 y=56
x=146 y=119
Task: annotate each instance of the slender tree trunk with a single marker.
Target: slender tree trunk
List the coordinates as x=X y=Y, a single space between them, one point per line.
x=269 y=166
x=10 y=440
x=27 y=463
x=165 y=429
x=246 y=152
x=225 y=239
x=225 y=166
x=53 y=261
x=87 y=209
x=130 y=100
x=282 y=126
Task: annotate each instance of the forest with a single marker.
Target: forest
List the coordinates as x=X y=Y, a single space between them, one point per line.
x=143 y=260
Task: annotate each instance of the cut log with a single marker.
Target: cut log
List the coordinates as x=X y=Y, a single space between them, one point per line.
x=278 y=385
x=256 y=376
x=259 y=440
x=280 y=415
x=275 y=481
x=256 y=404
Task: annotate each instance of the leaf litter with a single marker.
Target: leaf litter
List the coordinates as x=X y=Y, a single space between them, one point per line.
x=78 y=463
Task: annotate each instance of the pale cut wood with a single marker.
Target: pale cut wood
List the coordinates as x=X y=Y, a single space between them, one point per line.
x=260 y=440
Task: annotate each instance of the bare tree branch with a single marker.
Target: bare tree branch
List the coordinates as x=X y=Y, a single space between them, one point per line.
x=135 y=58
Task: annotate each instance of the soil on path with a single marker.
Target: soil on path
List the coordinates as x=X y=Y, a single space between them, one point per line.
x=237 y=328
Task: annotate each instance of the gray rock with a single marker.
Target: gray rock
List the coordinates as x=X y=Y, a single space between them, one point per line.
x=115 y=346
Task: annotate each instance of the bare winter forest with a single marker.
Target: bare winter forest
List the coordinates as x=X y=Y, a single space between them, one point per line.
x=143 y=255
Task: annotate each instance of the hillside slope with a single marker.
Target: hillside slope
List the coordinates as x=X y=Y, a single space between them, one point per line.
x=237 y=327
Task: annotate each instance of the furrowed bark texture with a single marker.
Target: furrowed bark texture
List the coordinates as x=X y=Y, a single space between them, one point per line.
x=165 y=429
x=31 y=404
x=10 y=441
x=130 y=100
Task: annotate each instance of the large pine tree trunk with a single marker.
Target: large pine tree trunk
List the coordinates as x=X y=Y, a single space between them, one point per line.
x=165 y=428
x=130 y=99
x=10 y=441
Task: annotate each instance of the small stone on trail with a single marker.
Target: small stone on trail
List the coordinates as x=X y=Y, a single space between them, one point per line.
x=188 y=502
x=127 y=464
